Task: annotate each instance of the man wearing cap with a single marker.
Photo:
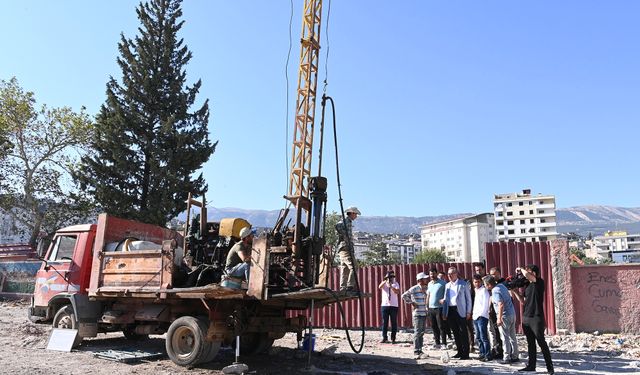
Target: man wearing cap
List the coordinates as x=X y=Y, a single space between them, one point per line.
x=417 y=297
x=389 y=305
x=533 y=323
x=239 y=257
x=345 y=250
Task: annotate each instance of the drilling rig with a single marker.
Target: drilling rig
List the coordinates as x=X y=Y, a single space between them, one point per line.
x=289 y=257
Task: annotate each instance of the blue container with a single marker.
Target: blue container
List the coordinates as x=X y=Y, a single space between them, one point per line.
x=305 y=342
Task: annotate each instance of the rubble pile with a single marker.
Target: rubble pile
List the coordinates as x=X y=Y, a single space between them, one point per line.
x=616 y=345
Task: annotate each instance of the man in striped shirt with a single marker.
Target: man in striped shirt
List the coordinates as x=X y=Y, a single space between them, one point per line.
x=417 y=297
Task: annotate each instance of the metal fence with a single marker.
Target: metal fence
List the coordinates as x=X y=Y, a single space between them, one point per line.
x=509 y=255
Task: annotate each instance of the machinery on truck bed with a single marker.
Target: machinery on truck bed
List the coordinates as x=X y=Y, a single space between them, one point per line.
x=141 y=279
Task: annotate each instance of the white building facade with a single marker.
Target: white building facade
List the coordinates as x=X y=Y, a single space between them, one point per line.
x=462 y=239
x=617 y=245
x=524 y=217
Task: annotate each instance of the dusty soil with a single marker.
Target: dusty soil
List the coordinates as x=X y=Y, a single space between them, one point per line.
x=23 y=351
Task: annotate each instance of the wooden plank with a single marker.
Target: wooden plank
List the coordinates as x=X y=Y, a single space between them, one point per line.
x=259 y=268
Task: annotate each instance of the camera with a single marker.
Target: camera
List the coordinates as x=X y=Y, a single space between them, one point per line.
x=516 y=282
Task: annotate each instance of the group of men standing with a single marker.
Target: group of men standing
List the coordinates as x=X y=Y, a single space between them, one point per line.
x=486 y=302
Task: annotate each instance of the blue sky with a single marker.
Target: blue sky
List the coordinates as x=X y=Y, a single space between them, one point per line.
x=439 y=104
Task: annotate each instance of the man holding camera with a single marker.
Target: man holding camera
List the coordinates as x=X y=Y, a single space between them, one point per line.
x=389 y=306
x=533 y=323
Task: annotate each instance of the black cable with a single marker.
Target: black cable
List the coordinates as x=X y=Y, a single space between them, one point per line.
x=349 y=243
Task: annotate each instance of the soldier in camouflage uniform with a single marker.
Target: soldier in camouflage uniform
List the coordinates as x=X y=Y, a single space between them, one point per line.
x=345 y=250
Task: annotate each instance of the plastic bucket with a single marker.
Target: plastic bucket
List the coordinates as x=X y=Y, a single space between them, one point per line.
x=305 y=342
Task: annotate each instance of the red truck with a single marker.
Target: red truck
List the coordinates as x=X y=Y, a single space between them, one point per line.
x=90 y=281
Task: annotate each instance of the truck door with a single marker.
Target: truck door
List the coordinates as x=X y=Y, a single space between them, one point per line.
x=59 y=274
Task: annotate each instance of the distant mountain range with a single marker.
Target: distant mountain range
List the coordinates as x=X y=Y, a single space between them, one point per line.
x=581 y=220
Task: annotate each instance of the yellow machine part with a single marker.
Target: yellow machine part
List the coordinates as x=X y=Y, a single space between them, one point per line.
x=232 y=227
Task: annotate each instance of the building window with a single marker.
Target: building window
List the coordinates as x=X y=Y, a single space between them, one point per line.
x=498 y=223
x=509 y=204
x=531 y=221
x=509 y=213
x=530 y=203
x=500 y=233
x=521 y=212
x=523 y=231
x=522 y=221
x=510 y=231
x=500 y=213
x=510 y=222
x=520 y=203
x=543 y=220
x=540 y=211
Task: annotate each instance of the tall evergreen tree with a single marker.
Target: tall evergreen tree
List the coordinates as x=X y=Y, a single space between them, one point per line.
x=148 y=146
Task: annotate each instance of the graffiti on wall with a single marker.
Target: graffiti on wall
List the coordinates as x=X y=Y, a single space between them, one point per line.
x=602 y=288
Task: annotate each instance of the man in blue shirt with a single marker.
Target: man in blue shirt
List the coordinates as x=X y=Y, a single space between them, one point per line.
x=435 y=292
x=506 y=318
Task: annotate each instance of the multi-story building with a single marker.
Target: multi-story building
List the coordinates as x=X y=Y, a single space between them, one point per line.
x=617 y=245
x=462 y=239
x=524 y=217
x=405 y=249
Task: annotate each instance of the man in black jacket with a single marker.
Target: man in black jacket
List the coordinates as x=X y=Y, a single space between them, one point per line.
x=533 y=322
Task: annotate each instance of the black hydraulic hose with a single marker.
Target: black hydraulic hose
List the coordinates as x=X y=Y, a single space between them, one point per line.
x=349 y=243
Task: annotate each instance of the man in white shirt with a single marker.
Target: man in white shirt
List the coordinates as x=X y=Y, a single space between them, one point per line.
x=481 y=303
x=389 y=305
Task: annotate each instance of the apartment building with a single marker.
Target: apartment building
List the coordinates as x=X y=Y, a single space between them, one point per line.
x=406 y=250
x=525 y=217
x=617 y=245
x=462 y=239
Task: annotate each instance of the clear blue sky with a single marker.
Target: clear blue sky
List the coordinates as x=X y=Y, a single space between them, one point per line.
x=439 y=104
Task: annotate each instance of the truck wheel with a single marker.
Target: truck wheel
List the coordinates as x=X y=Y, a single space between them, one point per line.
x=65 y=318
x=185 y=342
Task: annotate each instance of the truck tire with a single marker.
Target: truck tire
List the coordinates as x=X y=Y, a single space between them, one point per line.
x=214 y=346
x=185 y=342
x=65 y=318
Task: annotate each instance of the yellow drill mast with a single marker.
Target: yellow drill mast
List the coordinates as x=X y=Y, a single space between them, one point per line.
x=306 y=102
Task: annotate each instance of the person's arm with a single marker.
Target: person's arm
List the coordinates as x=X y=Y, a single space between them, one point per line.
x=518 y=295
x=530 y=276
x=395 y=287
x=499 y=313
x=382 y=284
x=406 y=297
x=467 y=296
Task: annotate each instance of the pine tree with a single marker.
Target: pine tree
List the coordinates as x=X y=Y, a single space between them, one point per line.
x=148 y=145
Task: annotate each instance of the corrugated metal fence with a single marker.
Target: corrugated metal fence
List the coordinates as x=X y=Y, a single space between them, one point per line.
x=505 y=255
x=510 y=255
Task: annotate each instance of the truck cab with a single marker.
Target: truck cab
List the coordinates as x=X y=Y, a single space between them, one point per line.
x=65 y=271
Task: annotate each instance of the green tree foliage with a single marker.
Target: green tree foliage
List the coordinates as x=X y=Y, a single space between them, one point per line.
x=378 y=254
x=45 y=146
x=582 y=256
x=430 y=256
x=330 y=232
x=148 y=145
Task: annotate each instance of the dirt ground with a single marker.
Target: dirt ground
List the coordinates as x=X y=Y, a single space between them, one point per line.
x=23 y=351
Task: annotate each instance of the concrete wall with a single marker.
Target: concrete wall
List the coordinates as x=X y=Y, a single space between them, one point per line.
x=562 y=285
x=606 y=298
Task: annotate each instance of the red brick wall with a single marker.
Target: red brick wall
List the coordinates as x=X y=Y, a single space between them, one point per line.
x=606 y=298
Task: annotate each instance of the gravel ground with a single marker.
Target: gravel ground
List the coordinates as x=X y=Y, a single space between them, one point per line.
x=23 y=351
